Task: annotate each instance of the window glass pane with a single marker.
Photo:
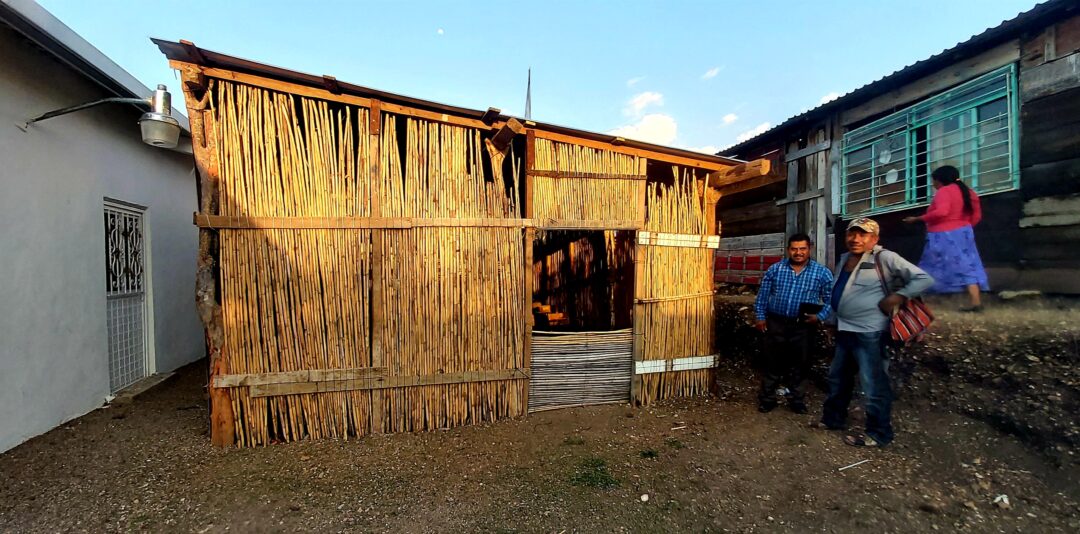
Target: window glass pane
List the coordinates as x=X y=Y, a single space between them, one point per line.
x=890 y=171
x=949 y=142
x=858 y=177
x=992 y=137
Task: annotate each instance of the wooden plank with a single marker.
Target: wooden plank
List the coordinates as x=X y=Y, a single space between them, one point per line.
x=791 y=211
x=324 y=94
x=739 y=173
x=591 y=224
x=753 y=183
x=1050 y=128
x=530 y=241
x=935 y=82
x=749 y=212
x=638 y=319
x=810 y=150
x=1049 y=78
x=632 y=151
x=377 y=383
x=585 y=175
x=291 y=377
x=205 y=147
x=674 y=298
x=1048 y=179
x=1062 y=205
x=378 y=319
x=219 y=222
x=676 y=364
x=802 y=197
x=678 y=240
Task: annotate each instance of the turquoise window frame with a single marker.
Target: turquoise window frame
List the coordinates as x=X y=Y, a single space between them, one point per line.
x=919 y=118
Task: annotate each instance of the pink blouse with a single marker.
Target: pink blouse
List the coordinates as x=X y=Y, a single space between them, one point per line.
x=946 y=211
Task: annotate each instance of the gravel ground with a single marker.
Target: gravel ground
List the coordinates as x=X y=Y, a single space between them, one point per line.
x=969 y=431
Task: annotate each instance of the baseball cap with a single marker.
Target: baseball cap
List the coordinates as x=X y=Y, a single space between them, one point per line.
x=865 y=224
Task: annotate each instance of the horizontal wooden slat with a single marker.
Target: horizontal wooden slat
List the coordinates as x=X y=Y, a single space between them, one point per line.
x=561 y=224
x=676 y=364
x=585 y=175
x=678 y=240
x=652 y=155
x=676 y=297
x=291 y=377
x=803 y=152
x=801 y=197
x=203 y=220
x=297 y=388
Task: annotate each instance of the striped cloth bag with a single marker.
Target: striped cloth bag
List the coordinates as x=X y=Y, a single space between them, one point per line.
x=911 y=320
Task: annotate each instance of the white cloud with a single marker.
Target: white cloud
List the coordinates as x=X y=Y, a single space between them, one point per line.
x=829 y=97
x=730 y=118
x=750 y=134
x=707 y=149
x=634 y=81
x=711 y=73
x=640 y=101
x=439 y=31
x=652 y=128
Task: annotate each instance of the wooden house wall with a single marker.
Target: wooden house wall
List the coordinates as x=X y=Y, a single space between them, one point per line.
x=1050 y=159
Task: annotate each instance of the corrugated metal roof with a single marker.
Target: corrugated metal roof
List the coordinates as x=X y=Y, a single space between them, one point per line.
x=1003 y=32
x=189 y=53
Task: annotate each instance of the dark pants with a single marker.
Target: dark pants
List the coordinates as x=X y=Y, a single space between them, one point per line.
x=863 y=354
x=787 y=355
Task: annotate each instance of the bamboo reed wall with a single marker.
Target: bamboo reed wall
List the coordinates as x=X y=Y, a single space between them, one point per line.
x=685 y=325
x=452 y=298
x=596 y=185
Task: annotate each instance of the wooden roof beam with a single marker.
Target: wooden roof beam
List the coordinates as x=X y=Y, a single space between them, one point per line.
x=741 y=172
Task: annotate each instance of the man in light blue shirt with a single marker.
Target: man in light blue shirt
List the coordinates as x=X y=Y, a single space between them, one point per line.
x=863 y=310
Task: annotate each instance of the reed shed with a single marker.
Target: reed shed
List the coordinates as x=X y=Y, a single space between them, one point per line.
x=371 y=262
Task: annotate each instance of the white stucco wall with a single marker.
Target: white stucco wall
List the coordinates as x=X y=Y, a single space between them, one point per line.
x=53 y=182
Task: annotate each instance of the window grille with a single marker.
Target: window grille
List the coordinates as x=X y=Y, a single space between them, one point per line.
x=887 y=164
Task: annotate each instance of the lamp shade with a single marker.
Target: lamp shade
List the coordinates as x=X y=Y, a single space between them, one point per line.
x=159 y=130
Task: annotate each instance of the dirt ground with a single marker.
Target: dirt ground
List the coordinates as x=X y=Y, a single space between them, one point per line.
x=986 y=408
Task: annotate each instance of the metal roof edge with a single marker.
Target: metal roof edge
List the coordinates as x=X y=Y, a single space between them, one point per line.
x=40 y=26
x=1002 y=32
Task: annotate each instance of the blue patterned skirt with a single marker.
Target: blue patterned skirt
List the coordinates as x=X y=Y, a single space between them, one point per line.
x=954 y=262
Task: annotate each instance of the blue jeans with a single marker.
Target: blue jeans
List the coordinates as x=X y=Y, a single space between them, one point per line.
x=862 y=353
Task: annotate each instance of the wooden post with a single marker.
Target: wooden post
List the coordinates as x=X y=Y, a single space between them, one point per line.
x=639 y=292
x=792 y=219
x=530 y=238
x=204 y=146
x=378 y=350
x=820 y=204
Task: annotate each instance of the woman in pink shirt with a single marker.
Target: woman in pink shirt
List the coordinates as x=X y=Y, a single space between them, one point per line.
x=950 y=255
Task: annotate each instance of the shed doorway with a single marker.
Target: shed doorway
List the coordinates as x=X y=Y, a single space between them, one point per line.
x=582 y=341
x=125 y=295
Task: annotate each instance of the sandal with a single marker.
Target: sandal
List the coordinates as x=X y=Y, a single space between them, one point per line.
x=861 y=440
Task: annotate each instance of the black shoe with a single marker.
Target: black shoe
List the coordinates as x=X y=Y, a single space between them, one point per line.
x=798 y=407
x=766 y=407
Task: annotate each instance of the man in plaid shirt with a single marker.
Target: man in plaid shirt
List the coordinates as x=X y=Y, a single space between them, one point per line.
x=788 y=288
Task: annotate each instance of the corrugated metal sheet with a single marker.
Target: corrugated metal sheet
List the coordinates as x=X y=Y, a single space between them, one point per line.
x=1009 y=29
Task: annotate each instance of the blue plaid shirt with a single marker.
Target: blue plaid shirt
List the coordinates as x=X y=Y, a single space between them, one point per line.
x=782 y=290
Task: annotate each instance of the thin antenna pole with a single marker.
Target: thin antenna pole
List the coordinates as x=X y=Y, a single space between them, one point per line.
x=528 y=96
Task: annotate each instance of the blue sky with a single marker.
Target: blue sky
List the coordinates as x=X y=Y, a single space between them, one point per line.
x=693 y=74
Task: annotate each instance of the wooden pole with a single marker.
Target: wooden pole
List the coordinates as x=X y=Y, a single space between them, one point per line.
x=204 y=145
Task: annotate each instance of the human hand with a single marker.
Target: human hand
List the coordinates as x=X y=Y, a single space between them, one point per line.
x=910 y=220
x=811 y=318
x=760 y=325
x=889 y=304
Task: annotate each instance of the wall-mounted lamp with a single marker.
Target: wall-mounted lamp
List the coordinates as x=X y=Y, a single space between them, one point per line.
x=159 y=127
